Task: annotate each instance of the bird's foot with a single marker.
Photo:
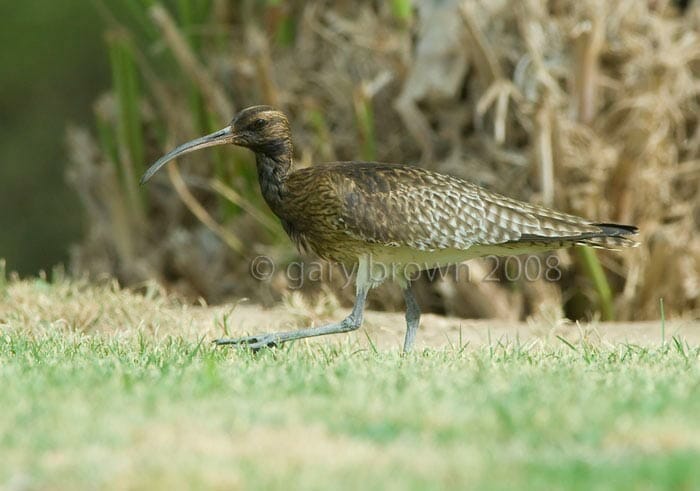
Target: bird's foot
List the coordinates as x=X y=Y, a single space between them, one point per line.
x=253 y=343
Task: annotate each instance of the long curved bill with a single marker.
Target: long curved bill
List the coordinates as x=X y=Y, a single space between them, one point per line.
x=220 y=137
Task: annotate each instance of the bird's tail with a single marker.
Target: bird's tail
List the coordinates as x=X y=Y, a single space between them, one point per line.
x=598 y=235
x=611 y=236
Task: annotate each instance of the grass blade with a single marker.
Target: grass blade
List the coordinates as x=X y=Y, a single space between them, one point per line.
x=663 y=322
x=595 y=273
x=3 y=276
x=130 y=143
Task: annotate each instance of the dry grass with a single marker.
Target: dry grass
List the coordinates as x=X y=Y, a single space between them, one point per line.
x=590 y=106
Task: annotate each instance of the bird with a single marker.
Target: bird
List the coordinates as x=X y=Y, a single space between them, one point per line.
x=387 y=221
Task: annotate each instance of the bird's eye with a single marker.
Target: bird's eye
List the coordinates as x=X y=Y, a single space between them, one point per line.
x=258 y=124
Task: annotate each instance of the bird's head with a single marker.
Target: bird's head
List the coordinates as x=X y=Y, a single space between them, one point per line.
x=262 y=129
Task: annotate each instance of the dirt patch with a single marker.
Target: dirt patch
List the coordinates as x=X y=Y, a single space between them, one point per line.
x=386 y=330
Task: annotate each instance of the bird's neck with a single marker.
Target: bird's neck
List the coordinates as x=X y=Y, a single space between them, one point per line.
x=273 y=169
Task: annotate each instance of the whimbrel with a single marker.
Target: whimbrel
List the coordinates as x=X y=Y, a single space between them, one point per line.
x=388 y=221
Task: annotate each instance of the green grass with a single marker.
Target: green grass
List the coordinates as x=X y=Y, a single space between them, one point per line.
x=141 y=412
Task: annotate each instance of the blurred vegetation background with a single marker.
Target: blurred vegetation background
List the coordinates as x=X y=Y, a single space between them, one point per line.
x=589 y=106
x=52 y=67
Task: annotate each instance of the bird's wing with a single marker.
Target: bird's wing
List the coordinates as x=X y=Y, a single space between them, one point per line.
x=404 y=206
x=407 y=206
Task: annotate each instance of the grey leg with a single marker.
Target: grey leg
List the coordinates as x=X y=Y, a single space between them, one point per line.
x=412 y=318
x=350 y=323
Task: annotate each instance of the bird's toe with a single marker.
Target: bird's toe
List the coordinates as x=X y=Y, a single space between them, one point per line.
x=249 y=342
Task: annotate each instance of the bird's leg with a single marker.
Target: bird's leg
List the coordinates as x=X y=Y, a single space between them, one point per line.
x=412 y=318
x=350 y=323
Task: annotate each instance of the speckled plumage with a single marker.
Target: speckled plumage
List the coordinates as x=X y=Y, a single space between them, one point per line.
x=363 y=213
x=340 y=210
